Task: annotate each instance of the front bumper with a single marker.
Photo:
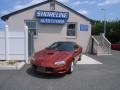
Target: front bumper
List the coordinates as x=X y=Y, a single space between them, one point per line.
x=50 y=70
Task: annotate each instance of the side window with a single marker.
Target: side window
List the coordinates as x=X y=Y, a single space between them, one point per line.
x=71 y=29
x=31 y=26
x=53 y=46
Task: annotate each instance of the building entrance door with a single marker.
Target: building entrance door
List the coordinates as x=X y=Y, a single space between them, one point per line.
x=31 y=32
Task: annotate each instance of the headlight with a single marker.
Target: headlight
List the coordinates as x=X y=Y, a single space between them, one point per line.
x=60 y=63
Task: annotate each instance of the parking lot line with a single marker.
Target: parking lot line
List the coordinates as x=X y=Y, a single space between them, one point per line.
x=88 y=60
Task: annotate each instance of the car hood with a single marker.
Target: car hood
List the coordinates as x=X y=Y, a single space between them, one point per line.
x=48 y=57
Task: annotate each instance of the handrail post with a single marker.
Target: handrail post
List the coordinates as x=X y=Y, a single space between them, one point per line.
x=26 y=44
x=97 y=44
x=6 y=43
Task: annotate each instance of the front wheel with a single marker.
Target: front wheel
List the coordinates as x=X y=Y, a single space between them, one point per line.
x=71 y=69
x=80 y=57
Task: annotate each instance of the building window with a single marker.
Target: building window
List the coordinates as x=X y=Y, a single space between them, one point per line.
x=31 y=26
x=52 y=5
x=71 y=29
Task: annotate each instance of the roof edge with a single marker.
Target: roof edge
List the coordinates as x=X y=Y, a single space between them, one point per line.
x=6 y=17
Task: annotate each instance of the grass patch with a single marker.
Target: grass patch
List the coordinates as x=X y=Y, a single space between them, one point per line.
x=12 y=62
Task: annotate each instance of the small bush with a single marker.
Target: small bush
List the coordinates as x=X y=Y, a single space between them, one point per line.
x=11 y=62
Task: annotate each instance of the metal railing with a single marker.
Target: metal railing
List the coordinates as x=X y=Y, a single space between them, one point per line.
x=95 y=45
x=101 y=45
x=106 y=44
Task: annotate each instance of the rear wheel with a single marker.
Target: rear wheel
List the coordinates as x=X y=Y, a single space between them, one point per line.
x=71 y=69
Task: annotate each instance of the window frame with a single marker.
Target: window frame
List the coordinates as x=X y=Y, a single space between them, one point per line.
x=52 y=6
x=72 y=37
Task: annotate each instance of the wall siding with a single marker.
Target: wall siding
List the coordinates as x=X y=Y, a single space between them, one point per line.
x=47 y=33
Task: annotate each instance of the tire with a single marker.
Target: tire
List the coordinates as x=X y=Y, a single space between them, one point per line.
x=80 y=57
x=71 y=68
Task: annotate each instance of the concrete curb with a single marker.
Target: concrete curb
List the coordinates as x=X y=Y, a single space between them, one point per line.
x=17 y=66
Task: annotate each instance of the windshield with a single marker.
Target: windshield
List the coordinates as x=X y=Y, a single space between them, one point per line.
x=62 y=46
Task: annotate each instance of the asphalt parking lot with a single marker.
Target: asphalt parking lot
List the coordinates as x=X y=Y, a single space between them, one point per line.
x=104 y=76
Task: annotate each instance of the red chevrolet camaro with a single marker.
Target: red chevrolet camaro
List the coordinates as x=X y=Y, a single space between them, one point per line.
x=59 y=58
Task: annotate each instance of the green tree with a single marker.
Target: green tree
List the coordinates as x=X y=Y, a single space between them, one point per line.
x=112 y=30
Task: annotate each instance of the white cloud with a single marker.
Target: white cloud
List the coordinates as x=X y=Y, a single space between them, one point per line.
x=17 y=7
x=82 y=11
x=77 y=3
x=64 y=1
x=111 y=14
x=4 y=12
x=32 y=2
x=84 y=2
x=89 y=2
x=108 y=2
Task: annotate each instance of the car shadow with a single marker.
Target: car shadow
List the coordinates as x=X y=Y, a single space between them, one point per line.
x=36 y=74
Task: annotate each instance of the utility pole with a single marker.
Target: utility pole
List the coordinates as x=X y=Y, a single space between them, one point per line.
x=104 y=10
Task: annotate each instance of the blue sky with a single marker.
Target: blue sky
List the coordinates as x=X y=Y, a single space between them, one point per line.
x=89 y=8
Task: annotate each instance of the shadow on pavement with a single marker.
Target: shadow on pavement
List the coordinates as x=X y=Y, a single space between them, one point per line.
x=36 y=74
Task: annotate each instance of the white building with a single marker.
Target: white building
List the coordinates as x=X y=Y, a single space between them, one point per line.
x=48 y=22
